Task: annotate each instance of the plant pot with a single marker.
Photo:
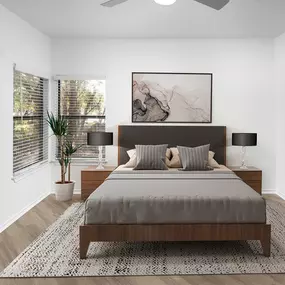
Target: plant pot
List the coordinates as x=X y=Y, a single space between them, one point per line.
x=64 y=192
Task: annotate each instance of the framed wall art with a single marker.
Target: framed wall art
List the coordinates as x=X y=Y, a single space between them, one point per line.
x=172 y=97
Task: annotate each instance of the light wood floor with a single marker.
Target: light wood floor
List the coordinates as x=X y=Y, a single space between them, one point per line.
x=19 y=235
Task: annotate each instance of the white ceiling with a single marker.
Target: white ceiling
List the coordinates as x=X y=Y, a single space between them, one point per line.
x=145 y=19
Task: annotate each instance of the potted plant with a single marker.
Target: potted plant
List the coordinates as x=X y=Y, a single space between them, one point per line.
x=63 y=188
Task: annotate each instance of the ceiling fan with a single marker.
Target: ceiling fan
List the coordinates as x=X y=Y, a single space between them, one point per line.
x=215 y=4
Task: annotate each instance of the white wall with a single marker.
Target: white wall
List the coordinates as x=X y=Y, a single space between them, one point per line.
x=243 y=93
x=30 y=50
x=280 y=118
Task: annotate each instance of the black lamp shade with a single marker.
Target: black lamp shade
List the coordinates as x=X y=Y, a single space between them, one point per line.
x=100 y=138
x=244 y=139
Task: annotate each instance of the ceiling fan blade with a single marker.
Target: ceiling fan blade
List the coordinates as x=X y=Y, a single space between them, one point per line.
x=215 y=4
x=112 y=3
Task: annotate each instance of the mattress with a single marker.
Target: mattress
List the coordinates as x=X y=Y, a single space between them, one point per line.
x=126 y=169
x=174 y=197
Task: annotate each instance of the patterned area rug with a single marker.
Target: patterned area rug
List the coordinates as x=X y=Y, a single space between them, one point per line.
x=55 y=253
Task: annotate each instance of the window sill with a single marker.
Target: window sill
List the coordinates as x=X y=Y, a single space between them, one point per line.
x=81 y=162
x=29 y=171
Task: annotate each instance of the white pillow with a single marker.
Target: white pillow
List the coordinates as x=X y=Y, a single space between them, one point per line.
x=131 y=152
x=133 y=158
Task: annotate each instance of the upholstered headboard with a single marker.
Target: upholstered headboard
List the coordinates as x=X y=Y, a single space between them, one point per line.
x=129 y=136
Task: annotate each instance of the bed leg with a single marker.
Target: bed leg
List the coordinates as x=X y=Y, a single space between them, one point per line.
x=266 y=240
x=84 y=242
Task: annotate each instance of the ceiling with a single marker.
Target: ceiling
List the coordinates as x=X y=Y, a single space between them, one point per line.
x=145 y=19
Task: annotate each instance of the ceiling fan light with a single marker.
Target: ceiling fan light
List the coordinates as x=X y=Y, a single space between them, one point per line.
x=165 y=2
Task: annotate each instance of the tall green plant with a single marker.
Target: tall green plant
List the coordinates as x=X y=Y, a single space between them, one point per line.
x=70 y=149
x=59 y=127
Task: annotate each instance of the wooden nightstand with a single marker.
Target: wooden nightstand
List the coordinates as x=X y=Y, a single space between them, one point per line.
x=251 y=176
x=92 y=178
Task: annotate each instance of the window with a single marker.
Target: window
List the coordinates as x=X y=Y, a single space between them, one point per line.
x=82 y=103
x=30 y=139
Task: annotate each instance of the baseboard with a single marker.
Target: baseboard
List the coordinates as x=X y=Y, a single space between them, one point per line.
x=274 y=192
x=15 y=217
x=77 y=191
x=269 y=191
x=281 y=195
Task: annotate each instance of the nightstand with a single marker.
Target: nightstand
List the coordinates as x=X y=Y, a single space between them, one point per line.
x=92 y=178
x=252 y=176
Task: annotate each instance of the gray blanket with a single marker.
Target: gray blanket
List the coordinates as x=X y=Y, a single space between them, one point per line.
x=168 y=197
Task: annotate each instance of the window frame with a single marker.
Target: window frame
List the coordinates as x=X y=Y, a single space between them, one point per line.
x=42 y=157
x=58 y=79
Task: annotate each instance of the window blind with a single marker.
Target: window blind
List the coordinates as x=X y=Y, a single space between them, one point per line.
x=30 y=130
x=82 y=104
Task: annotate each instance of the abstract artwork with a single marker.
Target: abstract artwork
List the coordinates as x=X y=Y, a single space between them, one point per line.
x=172 y=97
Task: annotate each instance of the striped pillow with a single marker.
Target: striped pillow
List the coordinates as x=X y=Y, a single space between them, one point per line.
x=194 y=158
x=133 y=158
x=151 y=157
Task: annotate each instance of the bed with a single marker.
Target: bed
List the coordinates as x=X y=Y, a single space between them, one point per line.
x=173 y=205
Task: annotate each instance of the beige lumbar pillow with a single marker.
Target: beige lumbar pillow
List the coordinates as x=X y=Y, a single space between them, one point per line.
x=212 y=162
x=175 y=161
x=133 y=158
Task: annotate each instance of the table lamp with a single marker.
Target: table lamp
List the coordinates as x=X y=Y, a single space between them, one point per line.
x=244 y=140
x=100 y=139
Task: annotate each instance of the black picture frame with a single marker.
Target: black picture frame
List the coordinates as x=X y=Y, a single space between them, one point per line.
x=174 y=122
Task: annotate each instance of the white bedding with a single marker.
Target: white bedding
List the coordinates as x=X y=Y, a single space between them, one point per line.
x=174 y=197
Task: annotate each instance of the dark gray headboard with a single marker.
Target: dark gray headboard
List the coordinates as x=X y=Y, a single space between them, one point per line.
x=129 y=136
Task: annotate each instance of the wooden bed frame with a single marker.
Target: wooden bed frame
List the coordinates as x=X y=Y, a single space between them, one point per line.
x=128 y=136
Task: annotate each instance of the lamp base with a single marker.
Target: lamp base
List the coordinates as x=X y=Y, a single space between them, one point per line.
x=243 y=152
x=100 y=157
x=100 y=166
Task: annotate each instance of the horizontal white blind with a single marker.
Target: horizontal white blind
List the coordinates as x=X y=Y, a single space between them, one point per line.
x=82 y=103
x=30 y=139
